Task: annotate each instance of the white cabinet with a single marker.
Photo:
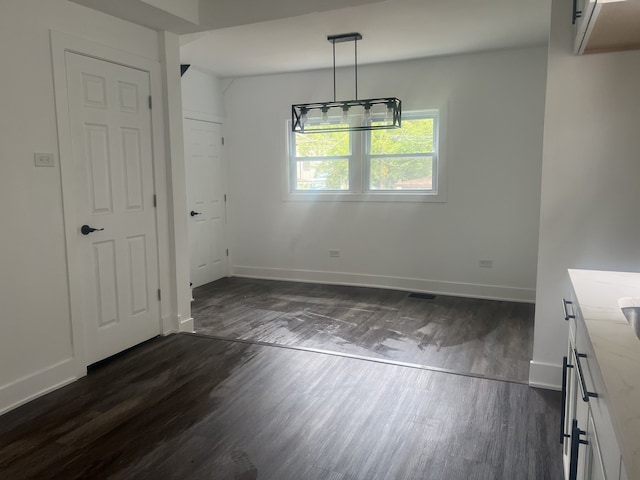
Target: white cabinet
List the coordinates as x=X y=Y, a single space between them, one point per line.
x=623 y=474
x=593 y=466
x=590 y=450
x=605 y=26
x=585 y=13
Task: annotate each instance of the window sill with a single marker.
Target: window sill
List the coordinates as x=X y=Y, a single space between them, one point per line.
x=412 y=197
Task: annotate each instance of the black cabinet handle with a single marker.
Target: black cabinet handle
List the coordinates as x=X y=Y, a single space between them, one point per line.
x=576 y=13
x=575 y=445
x=194 y=213
x=86 y=229
x=583 y=385
x=565 y=304
x=565 y=366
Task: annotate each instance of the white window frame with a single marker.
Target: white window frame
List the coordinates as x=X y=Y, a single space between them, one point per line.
x=359 y=163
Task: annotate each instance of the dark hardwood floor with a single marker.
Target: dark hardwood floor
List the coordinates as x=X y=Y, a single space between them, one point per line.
x=192 y=407
x=480 y=337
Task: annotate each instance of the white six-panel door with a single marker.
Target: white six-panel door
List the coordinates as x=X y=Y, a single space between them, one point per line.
x=206 y=201
x=110 y=125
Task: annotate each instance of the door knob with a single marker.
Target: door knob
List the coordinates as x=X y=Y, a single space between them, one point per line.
x=86 y=229
x=194 y=213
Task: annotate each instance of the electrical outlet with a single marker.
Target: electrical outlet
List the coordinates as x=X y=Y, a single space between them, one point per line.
x=334 y=252
x=485 y=264
x=44 y=159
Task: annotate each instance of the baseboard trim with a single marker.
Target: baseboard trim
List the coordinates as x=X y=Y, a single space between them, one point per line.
x=170 y=324
x=489 y=292
x=186 y=325
x=545 y=375
x=37 y=384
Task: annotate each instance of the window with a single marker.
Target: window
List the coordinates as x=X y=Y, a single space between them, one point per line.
x=403 y=159
x=320 y=161
x=390 y=165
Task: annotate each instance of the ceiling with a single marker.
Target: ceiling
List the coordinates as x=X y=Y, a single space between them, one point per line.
x=248 y=37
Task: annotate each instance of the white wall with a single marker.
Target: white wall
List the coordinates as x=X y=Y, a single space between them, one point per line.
x=177 y=195
x=495 y=112
x=35 y=341
x=202 y=95
x=591 y=168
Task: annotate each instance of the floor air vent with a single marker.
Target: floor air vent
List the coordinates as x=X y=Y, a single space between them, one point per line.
x=423 y=296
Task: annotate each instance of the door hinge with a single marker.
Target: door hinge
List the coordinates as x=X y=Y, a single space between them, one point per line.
x=155 y=200
x=159 y=295
x=222 y=141
x=150 y=103
x=227 y=252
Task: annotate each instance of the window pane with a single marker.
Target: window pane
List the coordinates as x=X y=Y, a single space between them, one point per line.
x=415 y=136
x=401 y=173
x=331 y=144
x=322 y=174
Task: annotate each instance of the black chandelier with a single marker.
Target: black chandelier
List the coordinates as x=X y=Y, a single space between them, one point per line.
x=337 y=116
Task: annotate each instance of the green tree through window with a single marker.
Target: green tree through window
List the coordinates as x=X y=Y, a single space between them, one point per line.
x=322 y=161
x=402 y=159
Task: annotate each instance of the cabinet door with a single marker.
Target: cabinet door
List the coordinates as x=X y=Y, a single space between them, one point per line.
x=609 y=453
x=570 y=387
x=582 y=415
x=623 y=474
x=586 y=10
x=578 y=411
x=594 y=468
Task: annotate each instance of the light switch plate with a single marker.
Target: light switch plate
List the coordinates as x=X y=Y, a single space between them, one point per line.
x=45 y=159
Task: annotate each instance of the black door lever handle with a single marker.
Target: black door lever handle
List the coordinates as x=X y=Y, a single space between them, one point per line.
x=194 y=213
x=86 y=229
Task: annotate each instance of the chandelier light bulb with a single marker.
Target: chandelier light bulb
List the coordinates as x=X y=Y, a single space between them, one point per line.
x=367 y=112
x=389 y=114
x=325 y=115
x=345 y=114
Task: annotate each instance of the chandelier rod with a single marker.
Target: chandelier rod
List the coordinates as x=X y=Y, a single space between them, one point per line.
x=333 y=42
x=345 y=37
x=355 y=55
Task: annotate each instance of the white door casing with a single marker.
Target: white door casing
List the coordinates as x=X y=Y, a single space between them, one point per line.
x=206 y=201
x=110 y=132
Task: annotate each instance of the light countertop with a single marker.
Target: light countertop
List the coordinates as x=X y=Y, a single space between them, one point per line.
x=617 y=350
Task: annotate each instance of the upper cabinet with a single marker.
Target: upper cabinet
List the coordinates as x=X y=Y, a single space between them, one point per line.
x=606 y=25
